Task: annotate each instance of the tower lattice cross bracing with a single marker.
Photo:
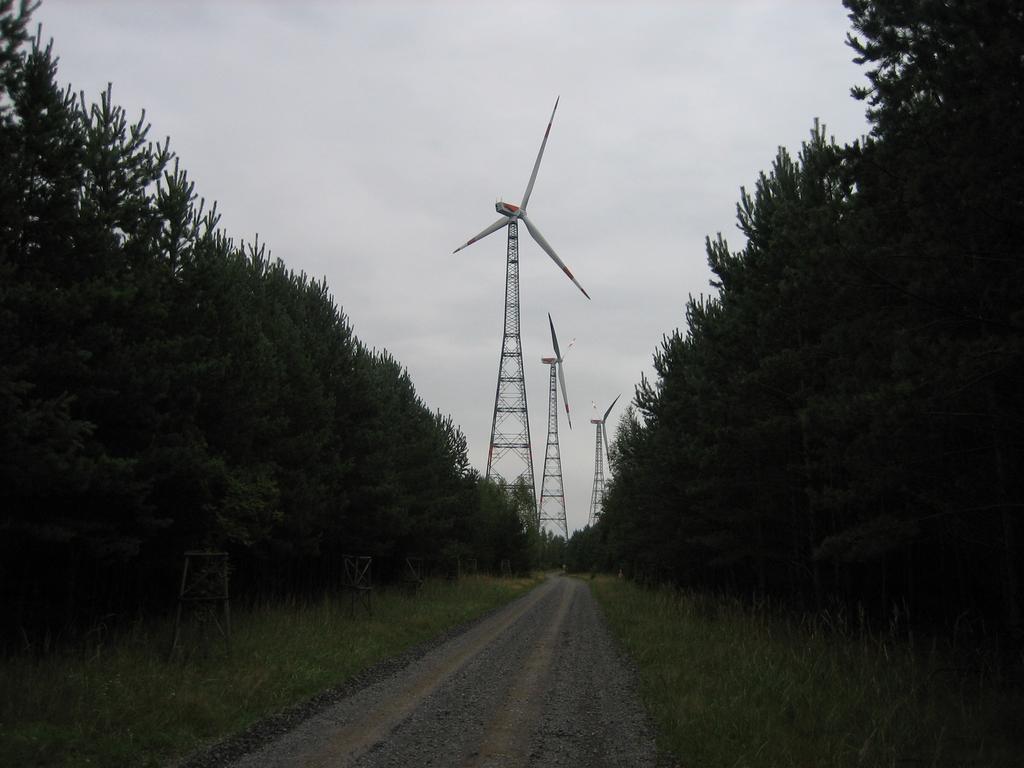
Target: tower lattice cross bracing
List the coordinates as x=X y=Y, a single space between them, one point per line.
x=510 y=455
x=552 y=494
x=597 y=495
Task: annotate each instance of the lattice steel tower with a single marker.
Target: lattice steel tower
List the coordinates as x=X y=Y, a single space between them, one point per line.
x=597 y=495
x=510 y=456
x=551 y=509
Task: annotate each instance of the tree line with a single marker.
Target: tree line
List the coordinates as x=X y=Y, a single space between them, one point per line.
x=841 y=420
x=164 y=388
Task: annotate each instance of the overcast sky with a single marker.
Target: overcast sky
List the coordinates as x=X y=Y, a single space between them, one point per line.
x=364 y=141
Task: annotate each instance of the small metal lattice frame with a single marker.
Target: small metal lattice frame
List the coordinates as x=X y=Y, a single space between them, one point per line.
x=454 y=569
x=470 y=567
x=412 y=575
x=506 y=567
x=204 y=591
x=358 y=581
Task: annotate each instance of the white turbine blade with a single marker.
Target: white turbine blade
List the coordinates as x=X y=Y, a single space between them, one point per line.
x=536 y=165
x=572 y=343
x=610 y=408
x=554 y=339
x=565 y=397
x=502 y=222
x=607 y=453
x=551 y=252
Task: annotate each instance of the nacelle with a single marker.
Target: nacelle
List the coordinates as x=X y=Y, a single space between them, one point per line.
x=507 y=209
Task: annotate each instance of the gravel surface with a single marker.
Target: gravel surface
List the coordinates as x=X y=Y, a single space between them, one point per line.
x=539 y=682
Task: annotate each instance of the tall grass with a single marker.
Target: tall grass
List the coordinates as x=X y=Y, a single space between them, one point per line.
x=126 y=704
x=728 y=685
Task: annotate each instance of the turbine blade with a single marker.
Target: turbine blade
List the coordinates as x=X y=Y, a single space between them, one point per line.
x=607 y=453
x=610 y=408
x=503 y=221
x=536 y=165
x=554 y=339
x=565 y=397
x=572 y=343
x=535 y=233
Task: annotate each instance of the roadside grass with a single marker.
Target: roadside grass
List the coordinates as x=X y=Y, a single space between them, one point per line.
x=728 y=685
x=125 y=704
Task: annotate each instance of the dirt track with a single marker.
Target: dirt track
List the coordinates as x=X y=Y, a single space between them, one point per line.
x=538 y=683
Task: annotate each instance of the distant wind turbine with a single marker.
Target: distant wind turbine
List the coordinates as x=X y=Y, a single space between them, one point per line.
x=552 y=494
x=597 y=496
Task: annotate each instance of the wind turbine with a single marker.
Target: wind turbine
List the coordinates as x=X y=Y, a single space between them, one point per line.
x=552 y=494
x=510 y=455
x=511 y=213
x=597 y=496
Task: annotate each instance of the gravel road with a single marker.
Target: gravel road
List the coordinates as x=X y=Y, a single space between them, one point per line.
x=538 y=683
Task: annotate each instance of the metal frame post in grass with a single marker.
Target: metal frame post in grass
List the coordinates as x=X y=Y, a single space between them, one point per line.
x=455 y=568
x=413 y=574
x=358 y=582
x=204 y=587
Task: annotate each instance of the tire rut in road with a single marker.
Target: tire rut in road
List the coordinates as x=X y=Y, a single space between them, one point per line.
x=508 y=735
